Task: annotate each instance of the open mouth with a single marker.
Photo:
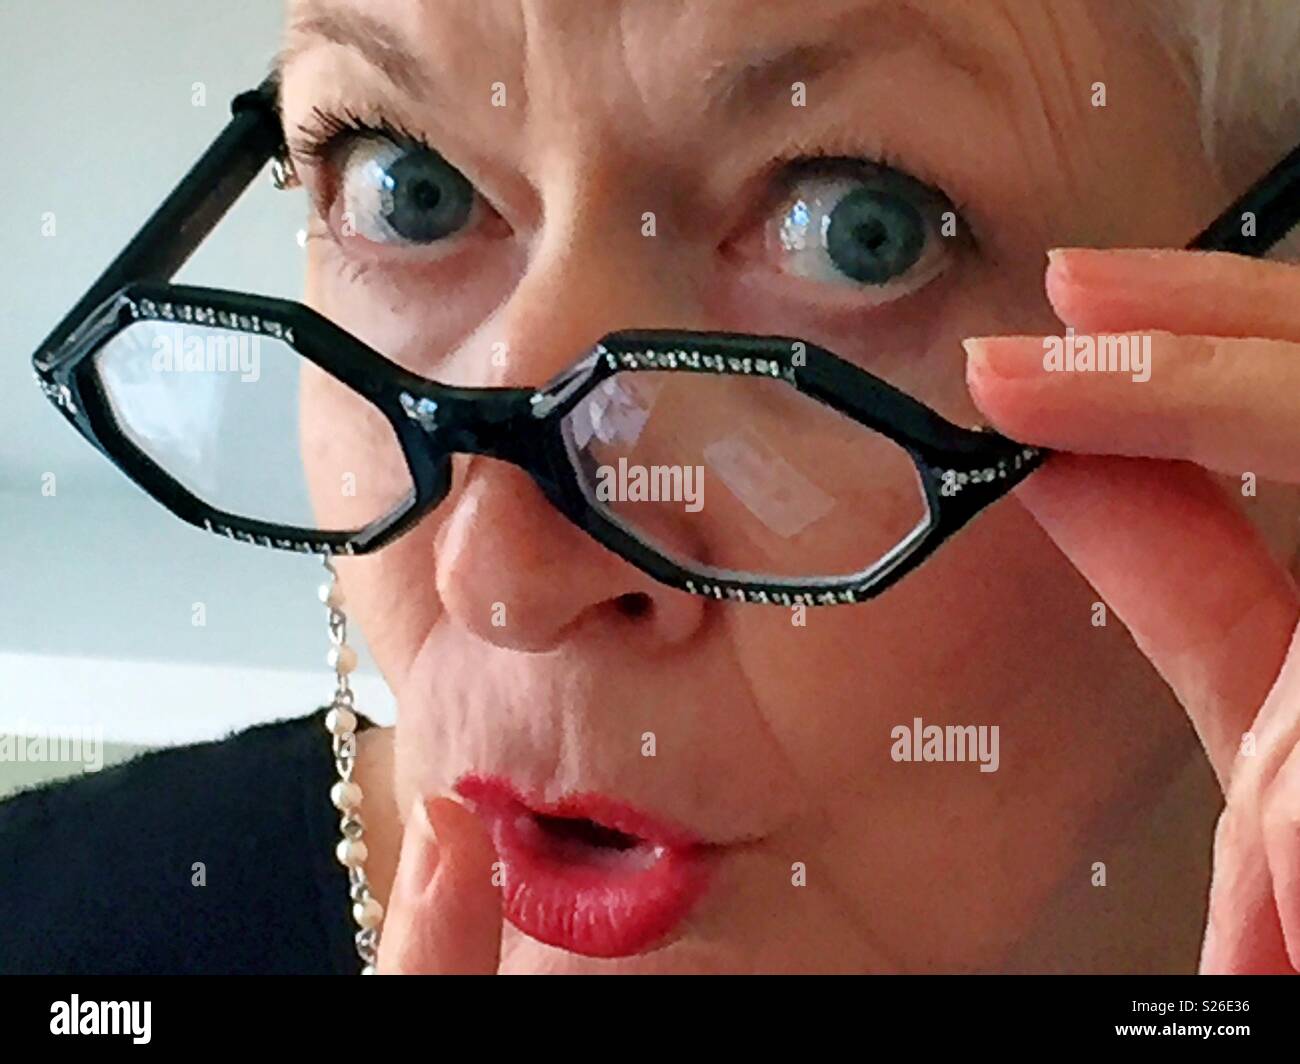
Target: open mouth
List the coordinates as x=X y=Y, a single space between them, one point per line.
x=579 y=841
x=589 y=874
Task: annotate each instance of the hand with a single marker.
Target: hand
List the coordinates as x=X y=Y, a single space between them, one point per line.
x=1176 y=560
x=444 y=915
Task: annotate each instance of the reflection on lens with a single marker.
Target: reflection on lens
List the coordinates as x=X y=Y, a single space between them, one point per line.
x=251 y=428
x=743 y=476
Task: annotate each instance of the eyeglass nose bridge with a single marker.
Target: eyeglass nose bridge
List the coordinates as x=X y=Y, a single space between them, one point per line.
x=493 y=422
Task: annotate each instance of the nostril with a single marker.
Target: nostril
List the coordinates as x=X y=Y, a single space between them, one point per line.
x=634 y=604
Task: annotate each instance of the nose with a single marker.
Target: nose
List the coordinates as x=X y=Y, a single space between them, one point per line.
x=509 y=567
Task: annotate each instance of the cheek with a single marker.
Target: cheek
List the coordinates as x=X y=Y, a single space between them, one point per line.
x=356 y=474
x=391 y=598
x=355 y=468
x=995 y=628
x=416 y=316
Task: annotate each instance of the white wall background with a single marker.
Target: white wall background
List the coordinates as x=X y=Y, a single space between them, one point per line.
x=98 y=121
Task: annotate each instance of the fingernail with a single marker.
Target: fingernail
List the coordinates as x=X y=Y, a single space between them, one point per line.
x=1109 y=266
x=419 y=857
x=1004 y=356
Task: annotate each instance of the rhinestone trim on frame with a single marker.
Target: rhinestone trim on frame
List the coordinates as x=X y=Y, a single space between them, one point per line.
x=304 y=546
x=423 y=411
x=59 y=393
x=847 y=596
x=844 y=596
x=987 y=475
x=194 y=314
x=681 y=360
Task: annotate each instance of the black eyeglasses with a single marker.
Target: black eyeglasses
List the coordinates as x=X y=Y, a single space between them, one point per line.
x=825 y=484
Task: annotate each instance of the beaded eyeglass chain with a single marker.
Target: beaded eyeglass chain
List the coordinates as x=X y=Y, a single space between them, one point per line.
x=345 y=794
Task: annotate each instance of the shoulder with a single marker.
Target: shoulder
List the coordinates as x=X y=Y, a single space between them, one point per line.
x=194 y=858
x=194 y=783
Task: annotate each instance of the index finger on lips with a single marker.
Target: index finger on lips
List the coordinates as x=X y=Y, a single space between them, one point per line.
x=1254 y=912
x=445 y=914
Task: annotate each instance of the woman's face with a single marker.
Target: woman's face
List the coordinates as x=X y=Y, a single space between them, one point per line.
x=643 y=164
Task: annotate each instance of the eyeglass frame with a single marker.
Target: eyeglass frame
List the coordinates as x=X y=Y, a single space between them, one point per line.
x=961 y=471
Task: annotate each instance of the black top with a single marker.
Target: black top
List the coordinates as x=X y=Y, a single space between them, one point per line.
x=98 y=876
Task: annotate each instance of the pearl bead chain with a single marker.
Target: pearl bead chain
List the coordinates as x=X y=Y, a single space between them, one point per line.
x=345 y=794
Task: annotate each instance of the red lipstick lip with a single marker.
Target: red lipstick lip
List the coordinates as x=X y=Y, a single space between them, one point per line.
x=589 y=898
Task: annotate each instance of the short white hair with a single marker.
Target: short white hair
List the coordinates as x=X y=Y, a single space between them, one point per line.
x=1242 y=61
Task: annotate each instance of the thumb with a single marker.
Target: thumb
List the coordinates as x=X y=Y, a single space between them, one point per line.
x=444 y=915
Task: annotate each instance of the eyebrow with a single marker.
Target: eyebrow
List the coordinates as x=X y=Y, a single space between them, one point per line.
x=732 y=86
x=735 y=86
x=369 y=37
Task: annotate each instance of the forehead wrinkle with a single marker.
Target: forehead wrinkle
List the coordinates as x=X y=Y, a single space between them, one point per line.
x=1074 y=97
x=854 y=33
x=1061 y=120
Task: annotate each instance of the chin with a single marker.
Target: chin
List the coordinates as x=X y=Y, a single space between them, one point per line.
x=521 y=955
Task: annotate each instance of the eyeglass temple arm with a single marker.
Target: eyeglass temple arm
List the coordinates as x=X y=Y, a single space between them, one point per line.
x=254 y=135
x=201 y=199
x=1274 y=201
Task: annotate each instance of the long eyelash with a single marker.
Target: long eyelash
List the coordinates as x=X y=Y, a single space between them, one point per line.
x=318 y=137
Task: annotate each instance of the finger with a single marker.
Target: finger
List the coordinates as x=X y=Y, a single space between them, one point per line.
x=1189 y=292
x=1254 y=895
x=1227 y=404
x=444 y=916
x=1187 y=574
x=1270 y=781
x=1242 y=932
x=1280 y=826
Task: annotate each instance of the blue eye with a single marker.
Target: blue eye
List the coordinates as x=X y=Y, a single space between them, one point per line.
x=396 y=194
x=873 y=236
x=875 y=229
